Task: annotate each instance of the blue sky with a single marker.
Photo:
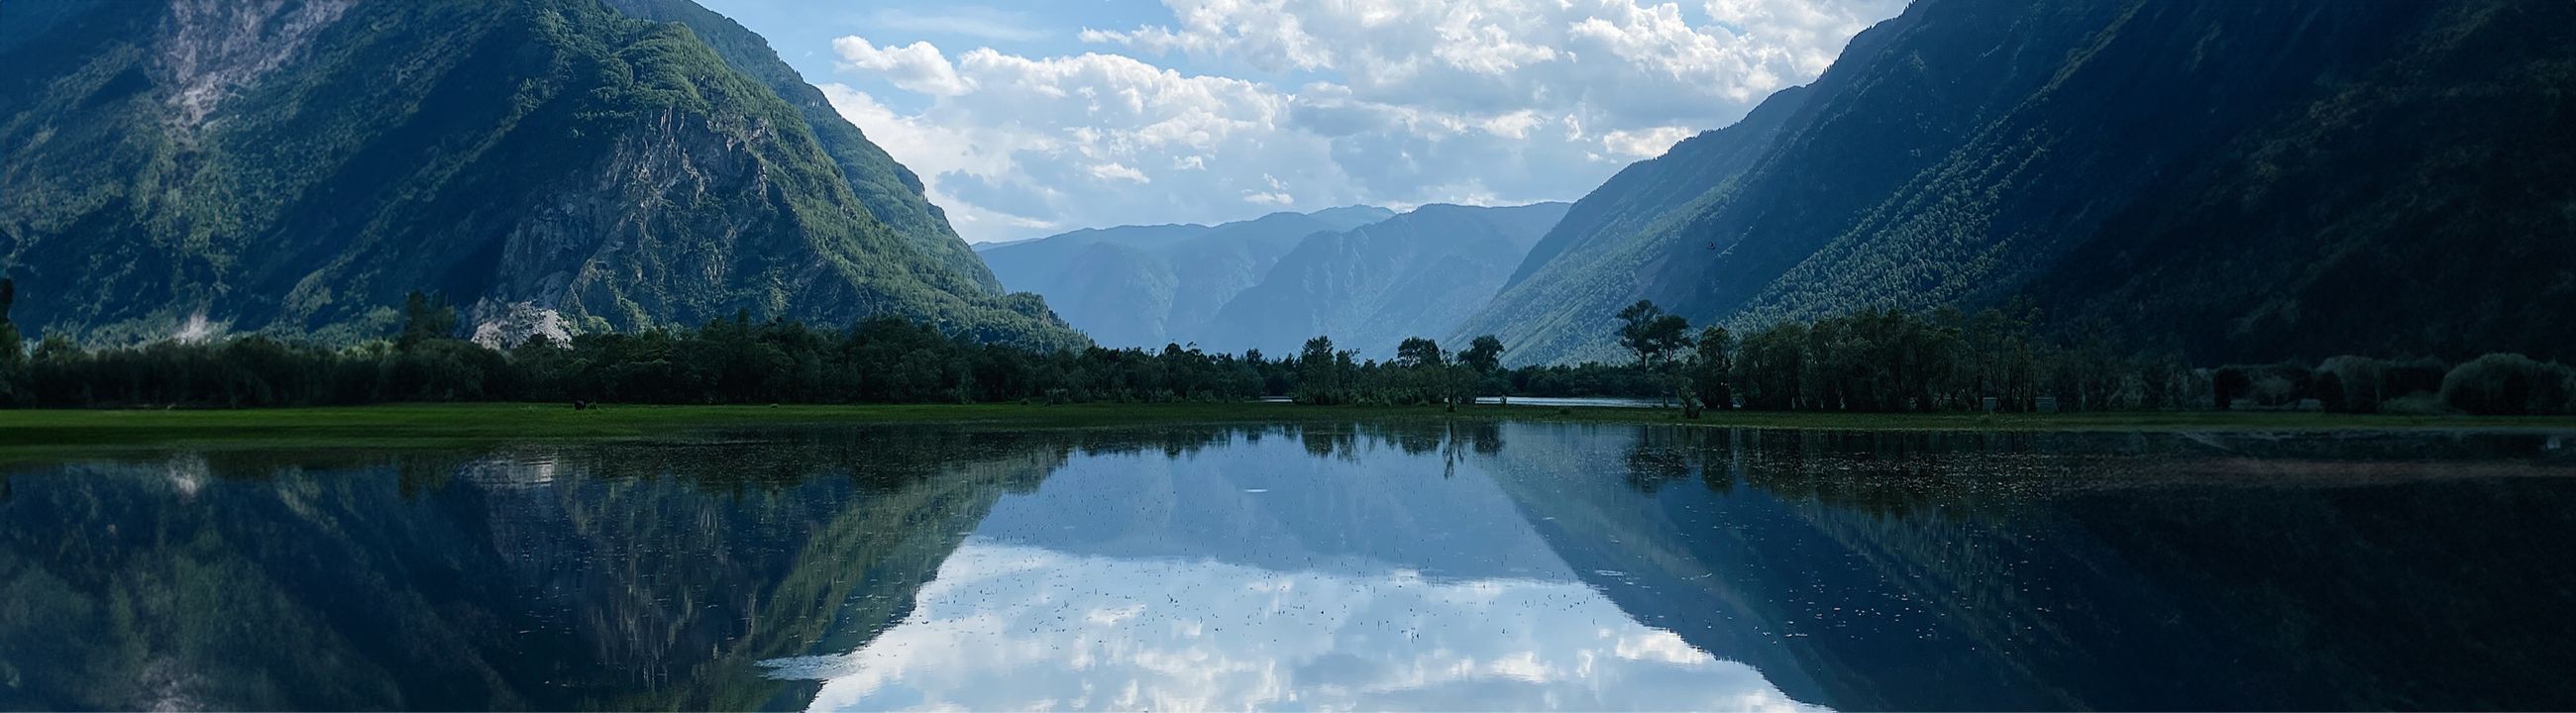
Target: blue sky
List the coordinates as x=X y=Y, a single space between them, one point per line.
x=1030 y=118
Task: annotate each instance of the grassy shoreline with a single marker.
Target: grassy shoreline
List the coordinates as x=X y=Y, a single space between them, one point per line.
x=23 y=431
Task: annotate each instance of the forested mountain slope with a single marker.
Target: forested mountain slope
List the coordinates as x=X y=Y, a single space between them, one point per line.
x=2426 y=206
x=190 y=166
x=1147 y=286
x=2238 y=181
x=1414 y=275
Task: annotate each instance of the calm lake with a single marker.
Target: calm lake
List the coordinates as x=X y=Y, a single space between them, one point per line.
x=1375 y=565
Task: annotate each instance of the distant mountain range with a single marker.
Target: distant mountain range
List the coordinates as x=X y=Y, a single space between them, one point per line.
x=1366 y=277
x=1149 y=285
x=2229 y=180
x=1414 y=275
x=187 y=167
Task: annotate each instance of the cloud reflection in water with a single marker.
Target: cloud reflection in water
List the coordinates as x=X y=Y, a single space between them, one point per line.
x=1016 y=627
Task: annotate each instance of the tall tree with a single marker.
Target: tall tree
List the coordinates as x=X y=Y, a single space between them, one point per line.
x=1323 y=373
x=13 y=353
x=1651 y=334
x=1713 y=367
x=1419 y=352
x=1484 y=355
x=1772 y=366
x=426 y=317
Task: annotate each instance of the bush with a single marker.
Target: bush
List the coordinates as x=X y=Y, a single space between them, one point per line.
x=2260 y=385
x=2354 y=384
x=2506 y=385
x=2416 y=404
x=2228 y=384
x=2407 y=378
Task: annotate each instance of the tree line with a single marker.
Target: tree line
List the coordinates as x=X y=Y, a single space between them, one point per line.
x=1948 y=360
x=1881 y=361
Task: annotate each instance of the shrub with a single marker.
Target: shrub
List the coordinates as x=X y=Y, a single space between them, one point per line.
x=2262 y=385
x=2507 y=385
x=2353 y=383
x=2228 y=384
x=2407 y=378
x=2416 y=404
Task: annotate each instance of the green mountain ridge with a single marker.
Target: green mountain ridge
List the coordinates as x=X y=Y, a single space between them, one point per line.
x=2232 y=181
x=186 y=168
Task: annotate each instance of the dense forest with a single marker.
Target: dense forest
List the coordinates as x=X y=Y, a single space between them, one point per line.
x=1873 y=361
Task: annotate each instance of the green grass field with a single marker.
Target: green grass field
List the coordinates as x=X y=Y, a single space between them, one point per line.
x=27 y=432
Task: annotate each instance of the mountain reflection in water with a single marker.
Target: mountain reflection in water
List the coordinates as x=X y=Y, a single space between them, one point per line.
x=1372 y=565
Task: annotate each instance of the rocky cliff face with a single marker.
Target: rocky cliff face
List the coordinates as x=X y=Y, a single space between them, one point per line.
x=212 y=47
x=298 y=167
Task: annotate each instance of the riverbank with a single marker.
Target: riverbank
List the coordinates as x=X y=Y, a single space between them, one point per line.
x=450 y=424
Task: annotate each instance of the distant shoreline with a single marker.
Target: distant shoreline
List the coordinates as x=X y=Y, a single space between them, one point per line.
x=73 y=432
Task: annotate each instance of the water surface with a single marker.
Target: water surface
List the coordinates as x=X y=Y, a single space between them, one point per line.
x=1412 y=565
x=1586 y=401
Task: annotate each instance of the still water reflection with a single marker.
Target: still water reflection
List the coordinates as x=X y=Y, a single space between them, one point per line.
x=1381 y=565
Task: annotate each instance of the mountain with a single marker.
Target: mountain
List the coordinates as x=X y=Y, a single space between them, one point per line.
x=2234 y=181
x=1416 y=274
x=525 y=578
x=1147 y=286
x=188 y=166
x=1737 y=541
x=890 y=192
x=1693 y=168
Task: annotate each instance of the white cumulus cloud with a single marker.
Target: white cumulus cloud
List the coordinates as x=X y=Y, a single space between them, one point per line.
x=1397 y=102
x=916 y=67
x=1118 y=172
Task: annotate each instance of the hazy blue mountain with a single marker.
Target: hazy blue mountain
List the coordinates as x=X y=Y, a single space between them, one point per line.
x=1147 y=286
x=2234 y=180
x=1348 y=217
x=300 y=166
x=1417 y=274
